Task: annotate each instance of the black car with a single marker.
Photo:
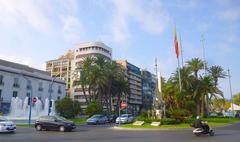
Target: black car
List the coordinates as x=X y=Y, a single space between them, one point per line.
x=54 y=123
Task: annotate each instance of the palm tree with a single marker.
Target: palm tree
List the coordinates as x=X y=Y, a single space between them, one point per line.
x=195 y=65
x=217 y=72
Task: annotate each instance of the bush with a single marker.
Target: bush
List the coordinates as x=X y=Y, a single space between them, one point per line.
x=1 y=113
x=179 y=114
x=94 y=107
x=169 y=121
x=68 y=108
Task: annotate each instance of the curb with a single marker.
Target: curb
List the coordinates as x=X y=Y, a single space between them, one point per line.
x=148 y=129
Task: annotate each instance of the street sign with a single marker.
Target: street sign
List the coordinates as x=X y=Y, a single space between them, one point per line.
x=123 y=105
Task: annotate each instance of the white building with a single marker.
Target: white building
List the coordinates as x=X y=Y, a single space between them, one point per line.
x=17 y=80
x=82 y=51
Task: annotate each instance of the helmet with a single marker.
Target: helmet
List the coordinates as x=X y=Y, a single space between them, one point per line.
x=197 y=117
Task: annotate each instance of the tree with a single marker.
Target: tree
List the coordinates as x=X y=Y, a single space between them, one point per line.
x=94 y=107
x=236 y=99
x=217 y=72
x=218 y=104
x=67 y=108
x=195 y=66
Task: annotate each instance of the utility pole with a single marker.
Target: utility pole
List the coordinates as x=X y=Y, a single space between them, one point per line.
x=230 y=87
x=204 y=60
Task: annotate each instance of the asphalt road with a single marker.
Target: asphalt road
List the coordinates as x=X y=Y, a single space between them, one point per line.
x=107 y=134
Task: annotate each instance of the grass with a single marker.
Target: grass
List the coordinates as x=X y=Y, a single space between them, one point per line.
x=213 y=122
x=79 y=120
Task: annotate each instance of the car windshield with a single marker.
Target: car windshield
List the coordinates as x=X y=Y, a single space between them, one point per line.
x=97 y=116
x=61 y=118
x=124 y=115
x=2 y=119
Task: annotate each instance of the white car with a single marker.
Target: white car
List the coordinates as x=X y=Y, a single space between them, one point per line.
x=125 y=118
x=6 y=125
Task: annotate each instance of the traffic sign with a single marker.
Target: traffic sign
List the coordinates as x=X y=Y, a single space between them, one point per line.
x=123 y=105
x=34 y=100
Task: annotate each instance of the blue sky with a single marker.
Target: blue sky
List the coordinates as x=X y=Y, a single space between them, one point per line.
x=34 y=31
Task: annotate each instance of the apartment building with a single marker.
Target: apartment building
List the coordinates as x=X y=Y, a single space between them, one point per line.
x=133 y=75
x=82 y=51
x=62 y=69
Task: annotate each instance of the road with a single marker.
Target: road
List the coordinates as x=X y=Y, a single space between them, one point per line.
x=107 y=134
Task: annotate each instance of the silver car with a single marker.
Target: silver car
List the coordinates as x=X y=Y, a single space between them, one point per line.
x=6 y=125
x=97 y=119
x=125 y=118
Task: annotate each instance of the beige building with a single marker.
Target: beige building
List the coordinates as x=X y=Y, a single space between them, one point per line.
x=133 y=74
x=62 y=68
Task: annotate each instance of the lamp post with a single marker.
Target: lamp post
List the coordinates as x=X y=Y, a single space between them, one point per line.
x=230 y=87
x=50 y=96
x=30 y=97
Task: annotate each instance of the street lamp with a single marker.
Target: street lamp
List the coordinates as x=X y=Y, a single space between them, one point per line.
x=30 y=97
x=50 y=96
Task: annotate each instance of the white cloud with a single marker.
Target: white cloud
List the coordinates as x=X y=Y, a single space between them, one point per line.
x=232 y=14
x=150 y=16
x=24 y=12
x=72 y=28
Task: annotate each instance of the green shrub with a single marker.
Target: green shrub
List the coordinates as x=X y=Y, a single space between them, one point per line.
x=67 y=108
x=1 y=113
x=169 y=121
x=179 y=114
x=94 y=107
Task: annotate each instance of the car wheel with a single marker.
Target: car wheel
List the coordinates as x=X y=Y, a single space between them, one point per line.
x=39 y=128
x=61 y=128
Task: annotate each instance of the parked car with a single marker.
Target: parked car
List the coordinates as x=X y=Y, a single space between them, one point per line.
x=54 y=123
x=112 y=118
x=6 y=125
x=97 y=119
x=125 y=118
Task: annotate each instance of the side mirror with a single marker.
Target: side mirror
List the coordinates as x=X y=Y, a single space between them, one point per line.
x=55 y=120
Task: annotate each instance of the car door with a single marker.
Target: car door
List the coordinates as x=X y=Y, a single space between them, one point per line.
x=54 y=123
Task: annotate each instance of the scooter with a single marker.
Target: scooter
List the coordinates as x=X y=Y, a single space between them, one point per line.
x=200 y=131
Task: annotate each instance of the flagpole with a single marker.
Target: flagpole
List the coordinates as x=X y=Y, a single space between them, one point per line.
x=181 y=49
x=179 y=76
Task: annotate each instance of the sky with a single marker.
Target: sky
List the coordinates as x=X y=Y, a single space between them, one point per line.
x=35 y=31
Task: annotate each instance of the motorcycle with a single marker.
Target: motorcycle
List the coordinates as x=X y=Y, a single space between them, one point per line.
x=201 y=131
x=204 y=130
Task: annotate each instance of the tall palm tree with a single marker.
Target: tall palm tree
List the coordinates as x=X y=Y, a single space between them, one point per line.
x=195 y=65
x=217 y=72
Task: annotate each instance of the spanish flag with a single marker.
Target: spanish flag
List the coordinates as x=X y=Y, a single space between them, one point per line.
x=176 y=42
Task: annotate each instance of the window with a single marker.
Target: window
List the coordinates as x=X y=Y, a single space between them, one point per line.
x=16 y=83
x=58 y=98
x=29 y=86
x=15 y=94
x=28 y=94
x=40 y=86
x=0 y=94
x=59 y=90
x=1 y=80
x=50 y=90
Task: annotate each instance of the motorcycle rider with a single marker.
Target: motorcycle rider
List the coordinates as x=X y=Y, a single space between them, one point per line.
x=197 y=123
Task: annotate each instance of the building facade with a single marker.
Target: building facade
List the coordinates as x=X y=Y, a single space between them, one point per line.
x=133 y=75
x=62 y=69
x=80 y=53
x=19 y=81
x=148 y=90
